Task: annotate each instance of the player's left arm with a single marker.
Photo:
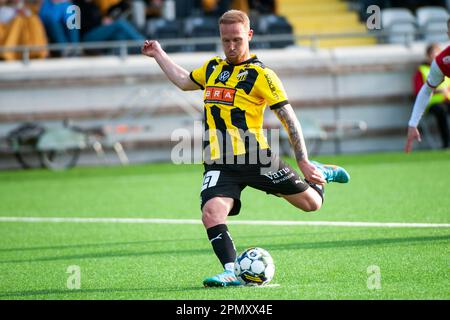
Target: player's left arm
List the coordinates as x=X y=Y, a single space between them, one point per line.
x=271 y=89
x=434 y=79
x=290 y=122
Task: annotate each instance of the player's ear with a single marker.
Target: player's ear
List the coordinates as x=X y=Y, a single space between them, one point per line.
x=250 y=34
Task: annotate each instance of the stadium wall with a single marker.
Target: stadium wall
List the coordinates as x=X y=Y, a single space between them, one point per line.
x=351 y=85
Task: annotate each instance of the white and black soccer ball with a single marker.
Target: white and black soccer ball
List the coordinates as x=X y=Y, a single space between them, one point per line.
x=254 y=266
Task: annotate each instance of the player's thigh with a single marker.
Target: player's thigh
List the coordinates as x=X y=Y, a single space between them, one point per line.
x=278 y=179
x=284 y=181
x=221 y=190
x=308 y=200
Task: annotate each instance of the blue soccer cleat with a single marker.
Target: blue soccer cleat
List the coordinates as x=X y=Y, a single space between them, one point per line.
x=332 y=173
x=224 y=279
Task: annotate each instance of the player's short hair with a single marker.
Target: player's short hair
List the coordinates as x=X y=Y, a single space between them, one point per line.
x=431 y=47
x=235 y=16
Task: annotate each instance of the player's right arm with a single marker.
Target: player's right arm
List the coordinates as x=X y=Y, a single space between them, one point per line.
x=270 y=88
x=434 y=79
x=175 y=73
x=292 y=125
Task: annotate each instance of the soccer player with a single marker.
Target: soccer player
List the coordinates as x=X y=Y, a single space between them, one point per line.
x=439 y=69
x=236 y=91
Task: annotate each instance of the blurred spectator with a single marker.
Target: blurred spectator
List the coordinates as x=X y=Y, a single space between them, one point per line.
x=242 y=5
x=154 y=8
x=7 y=13
x=95 y=27
x=20 y=26
x=215 y=7
x=264 y=6
x=218 y=7
x=104 y=5
x=133 y=10
x=54 y=15
x=439 y=104
x=115 y=9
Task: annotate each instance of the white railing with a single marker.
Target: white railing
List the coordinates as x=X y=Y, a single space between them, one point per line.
x=120 y=48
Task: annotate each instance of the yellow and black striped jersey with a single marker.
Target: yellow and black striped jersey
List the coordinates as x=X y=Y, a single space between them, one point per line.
x=235 y=97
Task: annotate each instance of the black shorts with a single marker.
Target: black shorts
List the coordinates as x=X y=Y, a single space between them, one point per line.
x=226 y=180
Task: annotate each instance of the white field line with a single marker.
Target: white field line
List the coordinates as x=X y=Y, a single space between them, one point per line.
x=236 y=222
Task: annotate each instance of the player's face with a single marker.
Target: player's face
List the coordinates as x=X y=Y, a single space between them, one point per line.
x=434 y=53
x=235 y=40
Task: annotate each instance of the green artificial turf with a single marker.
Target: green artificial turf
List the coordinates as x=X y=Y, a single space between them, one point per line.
x=169 y=261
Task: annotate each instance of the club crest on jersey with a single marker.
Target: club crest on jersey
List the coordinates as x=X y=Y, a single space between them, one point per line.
x=446 y=60
x=242 y=75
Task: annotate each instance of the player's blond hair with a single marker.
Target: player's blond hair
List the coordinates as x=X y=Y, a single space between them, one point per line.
x=235 y=16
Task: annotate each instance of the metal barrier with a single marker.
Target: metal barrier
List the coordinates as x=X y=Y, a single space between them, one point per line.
x=188 y=44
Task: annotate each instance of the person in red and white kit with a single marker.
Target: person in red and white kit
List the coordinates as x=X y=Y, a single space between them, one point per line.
x=440 y=68
x=439 y=104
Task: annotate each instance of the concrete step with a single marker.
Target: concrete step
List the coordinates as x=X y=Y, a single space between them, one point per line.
x=330 y=20
x=340 y=42
x=305 y=2
x=324 y=17
x=312 y=9
x=321 y=29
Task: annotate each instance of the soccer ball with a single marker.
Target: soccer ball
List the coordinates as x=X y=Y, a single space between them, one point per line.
x=254 y=266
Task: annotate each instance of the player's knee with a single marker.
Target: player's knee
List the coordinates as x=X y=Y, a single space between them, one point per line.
x=207 y=216
x=312 y=205
x=211 y=219
x=214 y=212
x=315 y=200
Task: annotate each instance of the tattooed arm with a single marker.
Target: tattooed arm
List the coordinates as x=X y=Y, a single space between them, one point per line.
x=290 y=122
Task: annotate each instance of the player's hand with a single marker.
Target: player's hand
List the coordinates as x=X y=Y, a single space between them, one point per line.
x=151 y=48
x=311 y=173
x=413 y=134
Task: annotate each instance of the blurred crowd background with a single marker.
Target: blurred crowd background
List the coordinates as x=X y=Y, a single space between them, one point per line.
x=42 y=22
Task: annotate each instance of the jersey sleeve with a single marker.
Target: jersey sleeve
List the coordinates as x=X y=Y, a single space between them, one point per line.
x=271 y=89
x=422 y=100
x=200 y=76
x=435 y=77
x=443 y=61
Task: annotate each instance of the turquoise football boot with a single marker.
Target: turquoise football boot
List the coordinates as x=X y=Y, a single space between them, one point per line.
x=224 y=279
x=332 y=173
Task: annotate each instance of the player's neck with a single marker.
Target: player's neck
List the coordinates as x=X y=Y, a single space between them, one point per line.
x=244 y=58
